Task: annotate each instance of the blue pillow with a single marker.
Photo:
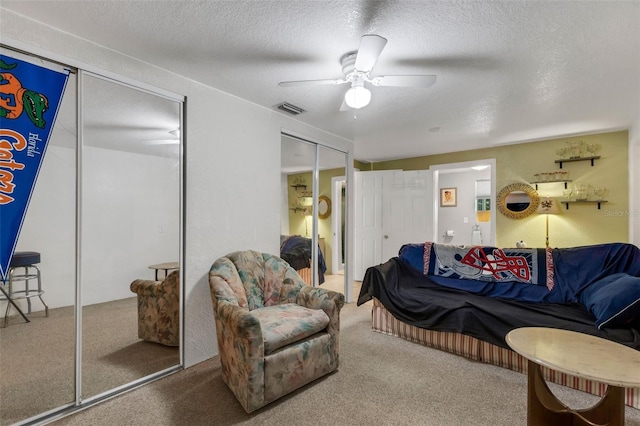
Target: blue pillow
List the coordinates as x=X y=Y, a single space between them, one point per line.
x=413 y=255
x=613 y=300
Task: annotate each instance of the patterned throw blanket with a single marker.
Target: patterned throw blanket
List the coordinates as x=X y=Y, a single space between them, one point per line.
x=483 y=263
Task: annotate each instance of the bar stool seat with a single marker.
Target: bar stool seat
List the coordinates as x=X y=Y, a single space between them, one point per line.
x=26 y=260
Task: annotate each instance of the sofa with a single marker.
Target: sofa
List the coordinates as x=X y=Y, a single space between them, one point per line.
x=275 y=333
x=466 y=299
x=159 y=309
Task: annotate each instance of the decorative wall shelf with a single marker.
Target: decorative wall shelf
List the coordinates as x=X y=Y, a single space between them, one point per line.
x=551 y=181
x=569 y=160
x=297 y=209
x=298 y=186
x=567 y=202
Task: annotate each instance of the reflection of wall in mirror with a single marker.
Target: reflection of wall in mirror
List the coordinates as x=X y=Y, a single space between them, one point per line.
x=517 y=201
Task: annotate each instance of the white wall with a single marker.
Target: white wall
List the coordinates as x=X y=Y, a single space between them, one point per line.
x=130 y=219
x=49 y=227
x=284 y=204
x=124 y=231
x=232 y=166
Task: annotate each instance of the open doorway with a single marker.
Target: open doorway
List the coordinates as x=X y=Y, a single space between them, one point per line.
x=471 y=218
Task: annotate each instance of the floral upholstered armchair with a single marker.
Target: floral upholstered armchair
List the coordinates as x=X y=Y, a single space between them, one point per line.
x=159 y=309
x=275 y=333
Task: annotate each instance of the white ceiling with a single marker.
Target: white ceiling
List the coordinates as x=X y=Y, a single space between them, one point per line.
x=508 y=71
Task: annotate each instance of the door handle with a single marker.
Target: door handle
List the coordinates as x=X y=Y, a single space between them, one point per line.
x=386 y=237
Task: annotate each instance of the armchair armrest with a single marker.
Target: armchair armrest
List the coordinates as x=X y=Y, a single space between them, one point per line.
x=147 y=287
x=239 y=321
x=157 y=288
x=329 y=301
x=241 y=345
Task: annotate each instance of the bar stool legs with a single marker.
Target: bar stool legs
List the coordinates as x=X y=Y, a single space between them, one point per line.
x=9 y=303
x=29 y=271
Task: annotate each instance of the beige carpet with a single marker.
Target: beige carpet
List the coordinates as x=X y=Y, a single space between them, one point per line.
x=382 y=380
x=37 y=358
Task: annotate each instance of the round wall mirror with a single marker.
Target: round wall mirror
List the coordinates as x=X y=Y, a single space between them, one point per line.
x=518 y=200
x=324 y=207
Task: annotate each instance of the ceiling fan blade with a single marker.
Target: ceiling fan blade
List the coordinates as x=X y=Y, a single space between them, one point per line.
x=404 y=80
x=371 y=46
x=311 y=82
x=344 y=106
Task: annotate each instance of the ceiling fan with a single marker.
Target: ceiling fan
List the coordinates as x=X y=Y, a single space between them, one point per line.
x=357 y=67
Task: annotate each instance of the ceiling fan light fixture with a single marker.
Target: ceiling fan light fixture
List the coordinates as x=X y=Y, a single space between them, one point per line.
x=357 y=97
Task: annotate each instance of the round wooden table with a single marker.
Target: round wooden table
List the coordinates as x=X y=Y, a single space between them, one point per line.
x=580 y=355
x=166 y=267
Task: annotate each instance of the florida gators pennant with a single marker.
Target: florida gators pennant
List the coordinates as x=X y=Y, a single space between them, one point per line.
x=30 y=96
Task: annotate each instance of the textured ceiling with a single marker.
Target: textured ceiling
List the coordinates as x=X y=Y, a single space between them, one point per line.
x=508 y=71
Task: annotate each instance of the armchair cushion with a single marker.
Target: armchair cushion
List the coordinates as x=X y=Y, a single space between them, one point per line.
x=288 y=323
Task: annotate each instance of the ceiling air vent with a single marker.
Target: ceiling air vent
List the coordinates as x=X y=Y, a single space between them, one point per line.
x=290 y=108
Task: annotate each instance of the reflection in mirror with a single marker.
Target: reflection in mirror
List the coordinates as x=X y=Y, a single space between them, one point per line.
x=298 y=160
x=296 y=227
x=37 y=358
x=130 y=221
x=339 y=223
x=518 y=200
x=331 y=226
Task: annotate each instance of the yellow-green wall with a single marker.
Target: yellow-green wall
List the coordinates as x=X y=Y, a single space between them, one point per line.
x=361 y=166
x=582 y=224
x=299 y=222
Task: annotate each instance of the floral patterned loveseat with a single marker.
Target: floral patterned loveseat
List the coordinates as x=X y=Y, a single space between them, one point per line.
x=275 y=333
x=159 y=309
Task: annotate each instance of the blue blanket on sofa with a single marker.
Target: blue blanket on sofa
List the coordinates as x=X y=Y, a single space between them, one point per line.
x=484 y=263
x=574 y=270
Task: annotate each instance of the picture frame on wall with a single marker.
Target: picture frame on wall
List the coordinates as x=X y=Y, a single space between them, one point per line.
x=448 y=197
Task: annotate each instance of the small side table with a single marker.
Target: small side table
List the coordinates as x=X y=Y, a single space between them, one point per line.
x=580 y=355
x=166 y=267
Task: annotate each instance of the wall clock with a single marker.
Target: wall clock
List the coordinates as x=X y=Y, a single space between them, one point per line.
x=324 y=207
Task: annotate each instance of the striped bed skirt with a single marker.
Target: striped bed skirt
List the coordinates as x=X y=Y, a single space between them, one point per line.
x=305 y=274
x=479 y=350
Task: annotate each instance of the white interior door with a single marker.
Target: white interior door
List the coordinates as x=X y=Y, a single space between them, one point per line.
x=392 y=208
x=407 y=206
x=368 y=220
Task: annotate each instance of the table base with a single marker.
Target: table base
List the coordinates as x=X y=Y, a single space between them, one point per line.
x=544 y=409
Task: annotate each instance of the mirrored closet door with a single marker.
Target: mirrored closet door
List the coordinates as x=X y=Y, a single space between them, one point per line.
x=106 y=210
x=130 y=203
x=37 y=364
x=310 y=219
x=332 y=206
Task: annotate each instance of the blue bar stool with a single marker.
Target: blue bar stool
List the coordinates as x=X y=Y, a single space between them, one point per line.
x=26 y=260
